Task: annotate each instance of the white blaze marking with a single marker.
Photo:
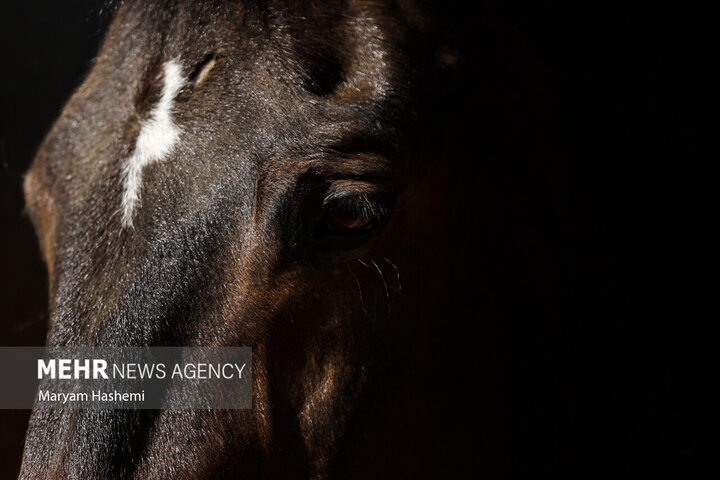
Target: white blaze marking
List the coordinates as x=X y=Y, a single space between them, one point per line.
x=157 y=139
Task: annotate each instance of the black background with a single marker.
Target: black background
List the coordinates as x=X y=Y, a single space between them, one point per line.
x=46 y=49
x=597 y=241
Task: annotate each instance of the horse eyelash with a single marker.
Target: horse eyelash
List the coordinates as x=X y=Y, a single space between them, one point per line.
x=360 y=205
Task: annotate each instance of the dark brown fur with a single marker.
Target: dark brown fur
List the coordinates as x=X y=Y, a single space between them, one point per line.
x=301 y=97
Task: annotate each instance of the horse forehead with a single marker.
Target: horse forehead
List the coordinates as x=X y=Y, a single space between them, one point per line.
x=204 y=130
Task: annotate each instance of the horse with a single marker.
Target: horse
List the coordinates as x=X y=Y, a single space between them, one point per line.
x=267 y=174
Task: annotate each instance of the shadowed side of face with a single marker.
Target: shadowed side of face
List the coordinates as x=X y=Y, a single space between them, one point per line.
x=231 y=174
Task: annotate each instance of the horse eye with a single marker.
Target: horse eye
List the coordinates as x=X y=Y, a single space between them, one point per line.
x=343 y=220
x=351 y=216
